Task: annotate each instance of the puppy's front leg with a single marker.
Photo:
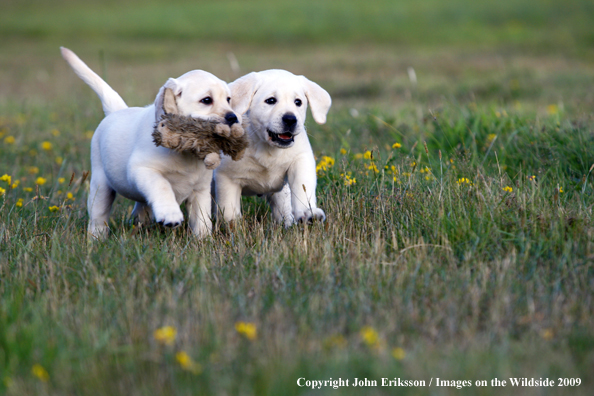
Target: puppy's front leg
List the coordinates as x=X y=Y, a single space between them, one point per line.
x=159 y=196
x=303 y=181
x=199 y=206
x=280 y=203
x=228 y=197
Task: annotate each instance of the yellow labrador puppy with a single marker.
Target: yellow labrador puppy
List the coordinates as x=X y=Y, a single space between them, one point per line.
x=279 y=163
x=125 y=160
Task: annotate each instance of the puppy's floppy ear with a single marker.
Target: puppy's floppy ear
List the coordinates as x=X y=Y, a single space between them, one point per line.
x=166 y=102
x=319 y=100
x=242 y=92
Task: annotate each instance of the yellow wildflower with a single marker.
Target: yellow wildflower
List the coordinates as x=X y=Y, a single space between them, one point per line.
x=372 y=167
x=55 y=132
x=59 y=160
x=348 y=180
x=248 y=330
x=325 y=163
x=19 y=203
x=9 y=140
x=33 y=170
x=32 y=152
x=398 y=353
x=47 y=146
x=367 y=155
x=552 y=109
x=561 y=189
x=358 y=156
x=6 y=178
x=369 y=336
x=2 y=191
x=41 y=181
x=464 y=180
x=70 y=196
x=53 y=208
x=396 y=145
x=165 y=335
x=61 y=180
x=187 y=363
x=27 y=189
x=508 y=189
x=15 y=184
x=40 y=372
x=532 y=178
x=547 y=334
x=343 y=151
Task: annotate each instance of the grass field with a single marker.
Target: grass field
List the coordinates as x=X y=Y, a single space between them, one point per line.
x=455 y=171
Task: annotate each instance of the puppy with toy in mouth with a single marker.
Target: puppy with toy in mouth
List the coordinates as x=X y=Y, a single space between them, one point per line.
x=125 y=159
x=278 y=163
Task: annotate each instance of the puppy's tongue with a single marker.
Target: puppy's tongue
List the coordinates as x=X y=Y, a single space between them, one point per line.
x=285 y=136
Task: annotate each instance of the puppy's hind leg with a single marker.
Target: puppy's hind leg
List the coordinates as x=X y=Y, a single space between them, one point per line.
x=141 y=214
x=99 y=203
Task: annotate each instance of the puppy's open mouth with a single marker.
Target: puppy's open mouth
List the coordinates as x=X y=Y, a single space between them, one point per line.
x=284 y=139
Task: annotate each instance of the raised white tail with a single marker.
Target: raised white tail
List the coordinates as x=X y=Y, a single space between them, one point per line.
x=110 y=99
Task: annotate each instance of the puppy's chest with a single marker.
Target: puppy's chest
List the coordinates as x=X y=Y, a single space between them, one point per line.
x=261 y=176
x=186 y=180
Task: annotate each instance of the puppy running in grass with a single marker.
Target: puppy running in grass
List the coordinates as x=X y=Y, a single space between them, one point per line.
x=125 y=160
x=278 y=163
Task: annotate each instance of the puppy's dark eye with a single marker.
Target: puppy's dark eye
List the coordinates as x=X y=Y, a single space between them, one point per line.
x=298 y=102
x=270 y=101
x=206 y=101
x=228 y=100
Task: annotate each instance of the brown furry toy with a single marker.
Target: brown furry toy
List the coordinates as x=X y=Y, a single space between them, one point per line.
x=206 y=139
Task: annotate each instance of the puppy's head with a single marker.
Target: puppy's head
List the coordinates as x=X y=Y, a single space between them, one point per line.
x=276 y=101
x=197 y=94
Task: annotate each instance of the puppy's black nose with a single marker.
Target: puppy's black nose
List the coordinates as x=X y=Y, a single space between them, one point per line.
x=289 y=121
x=231 y=118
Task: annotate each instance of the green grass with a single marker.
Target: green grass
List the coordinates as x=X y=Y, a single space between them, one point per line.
x=471 y=248
x=532 y=26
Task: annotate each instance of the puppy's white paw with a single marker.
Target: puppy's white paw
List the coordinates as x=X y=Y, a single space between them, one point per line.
x=287 y=220
x=97 y=231
x=309 y=216
x=169 y=216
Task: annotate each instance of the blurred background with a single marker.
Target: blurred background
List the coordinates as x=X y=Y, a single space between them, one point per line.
x=492 y=278
x=381 y=54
